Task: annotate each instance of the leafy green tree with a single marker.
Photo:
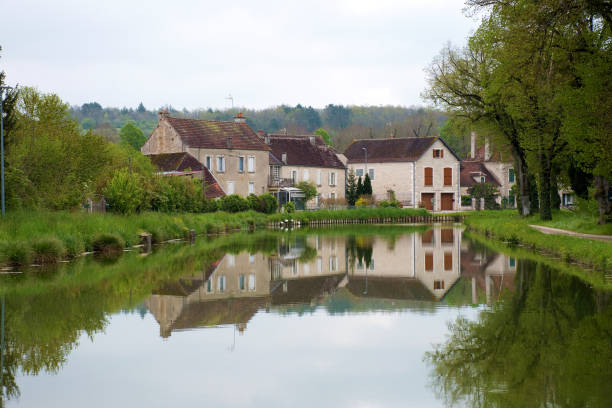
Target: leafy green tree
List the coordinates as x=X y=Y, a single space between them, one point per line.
x=367 y=185
x=351 y=190
x=337 y=116
x=487 y=191
x=124 y=193
x=325 y=136
x=309 y=189
x=131 y=135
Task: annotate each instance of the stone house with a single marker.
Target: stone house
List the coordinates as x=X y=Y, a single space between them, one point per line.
x=231 y=151
x=483 y=166
x=185 y=165
x=417 y=171
x=297 y=158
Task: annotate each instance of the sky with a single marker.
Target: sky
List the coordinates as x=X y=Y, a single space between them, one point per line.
x=195 y=54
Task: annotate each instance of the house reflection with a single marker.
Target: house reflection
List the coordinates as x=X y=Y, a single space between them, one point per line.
x=423 y=268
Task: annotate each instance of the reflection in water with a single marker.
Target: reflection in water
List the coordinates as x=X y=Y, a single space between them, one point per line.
x=545 y=339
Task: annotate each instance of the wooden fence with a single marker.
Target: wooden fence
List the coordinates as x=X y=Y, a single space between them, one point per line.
x=428 y=219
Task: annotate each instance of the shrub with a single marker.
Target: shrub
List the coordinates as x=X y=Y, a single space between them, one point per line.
x=234 y=203
x=309 y=189
x=364 y=201
x=108 y=244
x=48 y=250
x=270 y=203
x=255 y=203
x=74 y=245
x=124 y=193
x=17 y=253
x=333 y=203
x=466 y=200
x=289 y=207
x=384 y=204
x=210 y=205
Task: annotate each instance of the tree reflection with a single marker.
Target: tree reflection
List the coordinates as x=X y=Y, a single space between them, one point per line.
x=548 y=344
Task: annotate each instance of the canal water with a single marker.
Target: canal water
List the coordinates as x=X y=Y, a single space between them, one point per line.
x=357 y=317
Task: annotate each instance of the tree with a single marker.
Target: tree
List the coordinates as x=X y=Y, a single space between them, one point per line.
x=131 y=135
x=359 y=187
x=141 y=108
x=337 y=116
x=309 y=189
x=351 y=189
x=367 y=185
x=487 y=191
x=324 y=135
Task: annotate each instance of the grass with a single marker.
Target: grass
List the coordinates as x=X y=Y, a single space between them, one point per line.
x=574 y=221
x=50 y=236
x=513 y=229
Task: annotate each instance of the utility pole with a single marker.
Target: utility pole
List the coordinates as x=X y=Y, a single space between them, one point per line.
x=2 y=89
x=231 y=98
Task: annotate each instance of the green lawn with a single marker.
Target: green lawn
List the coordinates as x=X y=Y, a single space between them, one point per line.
x=574 y=221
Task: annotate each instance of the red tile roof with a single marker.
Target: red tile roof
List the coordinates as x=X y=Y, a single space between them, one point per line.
x=211 y=134
x=182 y=162
x=470 y=167
x=388 y=150
x=301 y=151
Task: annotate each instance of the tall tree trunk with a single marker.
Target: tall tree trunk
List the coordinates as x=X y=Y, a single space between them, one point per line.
x=555 y=199
x=524 y=202
x=545 y=173
x=602 y=187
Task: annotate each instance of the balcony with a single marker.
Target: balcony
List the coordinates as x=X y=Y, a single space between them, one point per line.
x=278 y=182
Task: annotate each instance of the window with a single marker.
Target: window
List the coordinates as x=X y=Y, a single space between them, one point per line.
x=332 y=263
x=251 y=188
x=448 y=261
x=251 y=164
x=429 y=261
x=231 y=261
x=438 y=153
x=511 y=175
x=427 y=238
x=230 y=187
x=372 y=264
x=428 y=176
x=332 y=178
x=209 y=286
x=241 y=164
x=446 y=236
x=294 y=176
x=448 y=176
x=306 y=175
x=482 y=179
x=512 y=262
x=332 y=195
x=252 y=282
x=251 y=258
x=221 y=283
x=276 y=172
x=371 y=173
x=220 y=163
x=208 y=162
x=320 y=265
x=318 y=177
x=438 y=285
x=242 y=282
x=359 y=173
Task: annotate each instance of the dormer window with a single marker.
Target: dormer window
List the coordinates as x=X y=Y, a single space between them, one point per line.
x=482 y=179
x=438 y=153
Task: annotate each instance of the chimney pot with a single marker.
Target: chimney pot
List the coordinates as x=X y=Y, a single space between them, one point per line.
x=163 y=114
x=487 y=152
x=239 y=118
x=473 y=145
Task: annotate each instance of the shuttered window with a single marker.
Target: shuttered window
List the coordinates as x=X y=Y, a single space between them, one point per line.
x=429 y=261
x=251 y=164
x=428 y=176
x=448 y=176
x=427 y=237
x=446 y=236
x=448 y=261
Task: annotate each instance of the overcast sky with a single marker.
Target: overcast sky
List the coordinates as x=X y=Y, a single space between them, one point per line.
x=194 y=53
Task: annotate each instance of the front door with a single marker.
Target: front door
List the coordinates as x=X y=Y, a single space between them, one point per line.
x=446 y=201
x=427 y=200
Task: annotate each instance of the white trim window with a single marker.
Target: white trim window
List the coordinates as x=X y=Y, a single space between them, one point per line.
x=294 y=176
x=241 y=164
x=371 y=173
x=251 y=164
x=230 y=187
x=359 y=173
x=208 y=162
x=251 y=188
x=332 y=178
x=332 y=195
x=221 y=280
x=221 y=164
x=318 y=177
x=252 y=282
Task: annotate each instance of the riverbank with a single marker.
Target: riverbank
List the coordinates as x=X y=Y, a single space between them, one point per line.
x=47 y=237
x=513 y=229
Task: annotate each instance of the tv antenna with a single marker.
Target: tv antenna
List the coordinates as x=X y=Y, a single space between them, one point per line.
x=231 y=98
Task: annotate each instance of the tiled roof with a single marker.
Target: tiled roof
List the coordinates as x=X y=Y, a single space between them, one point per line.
x=470 y=167
x=275 y=161
x=211 y=134
x=181 y=162
x=389 y=288
x=388 y=150
x=175 y=162
x=302 y=152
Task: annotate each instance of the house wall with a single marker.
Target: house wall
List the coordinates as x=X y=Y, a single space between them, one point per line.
x=323 y=189
x=241 y=179
x=438 y=165
x=330 y=260
x=164 y=139
x=389 y=176
x=501 y=171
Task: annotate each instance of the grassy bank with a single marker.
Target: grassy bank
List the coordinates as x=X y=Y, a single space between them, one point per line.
x=574 y=221
x=508 y=226
x=47 y=237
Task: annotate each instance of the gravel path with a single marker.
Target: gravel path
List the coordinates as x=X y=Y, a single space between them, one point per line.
x=557 y=231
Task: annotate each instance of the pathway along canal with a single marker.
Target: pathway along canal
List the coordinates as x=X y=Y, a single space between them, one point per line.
x=336 y=318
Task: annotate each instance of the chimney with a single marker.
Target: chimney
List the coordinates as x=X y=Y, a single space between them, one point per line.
x=163 y=114
x=264 y=136
x=284 y=158
x=229 y=142
x=312 y=140
x=239 y=118
x=487 y=152
x=473 y=147
x=393 y=132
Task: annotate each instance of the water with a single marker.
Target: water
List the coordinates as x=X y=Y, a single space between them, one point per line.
x=345 y=318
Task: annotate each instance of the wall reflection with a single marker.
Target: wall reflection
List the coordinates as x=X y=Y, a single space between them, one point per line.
x=395 y=271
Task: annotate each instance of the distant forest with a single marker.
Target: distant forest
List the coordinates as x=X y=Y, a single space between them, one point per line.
x=342 y=123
